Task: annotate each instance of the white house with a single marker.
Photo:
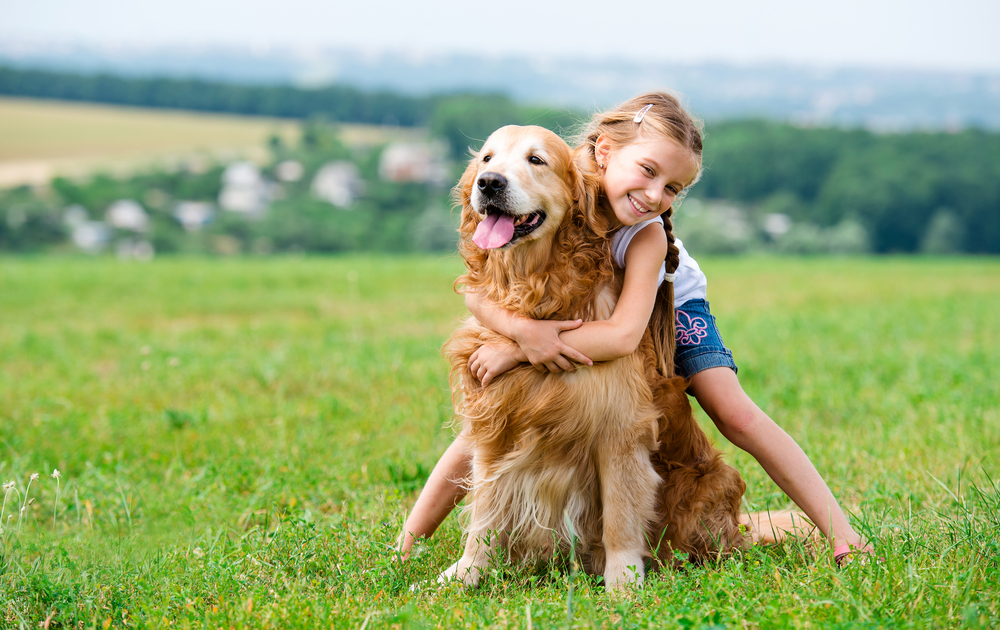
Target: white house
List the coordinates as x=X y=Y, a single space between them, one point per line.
x=414 y=162
x=244 y=190
x=338 y=183
x=75 y=215
x=135 y=249
x=289 y=171
x=91 y=236
x=194 y=215
x=127 y=214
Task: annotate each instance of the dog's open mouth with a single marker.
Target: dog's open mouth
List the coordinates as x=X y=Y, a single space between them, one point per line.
x=499 y=228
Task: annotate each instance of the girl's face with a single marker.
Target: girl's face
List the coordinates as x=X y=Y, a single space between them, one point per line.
x=642 y=178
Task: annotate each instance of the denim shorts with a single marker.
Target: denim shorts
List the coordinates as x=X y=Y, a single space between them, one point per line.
x=699 y=344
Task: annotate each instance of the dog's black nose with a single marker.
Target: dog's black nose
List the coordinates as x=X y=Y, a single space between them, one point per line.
x=491 y=183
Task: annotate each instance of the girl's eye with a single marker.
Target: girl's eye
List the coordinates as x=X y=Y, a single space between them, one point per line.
x=672 y=190
x=534 y=159
x=648 y=170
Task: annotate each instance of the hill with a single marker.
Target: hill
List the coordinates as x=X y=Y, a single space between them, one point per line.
x=885 y=99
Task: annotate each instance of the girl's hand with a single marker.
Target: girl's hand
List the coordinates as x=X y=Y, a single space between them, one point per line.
x=492 y=360
x=540 y=342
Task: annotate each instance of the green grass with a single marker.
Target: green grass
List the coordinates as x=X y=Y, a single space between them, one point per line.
x=239 y=441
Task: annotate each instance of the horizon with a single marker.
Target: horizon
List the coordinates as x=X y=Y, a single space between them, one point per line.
x=13 y=50
x=889 y=35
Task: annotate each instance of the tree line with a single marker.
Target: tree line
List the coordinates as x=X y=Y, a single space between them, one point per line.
x=335 y=102
x=906 y=189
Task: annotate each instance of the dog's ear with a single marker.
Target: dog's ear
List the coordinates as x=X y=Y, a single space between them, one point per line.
x=462 y=194
x=474 y=257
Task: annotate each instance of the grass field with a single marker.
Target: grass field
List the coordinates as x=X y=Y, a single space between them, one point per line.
x=40 y=138
x=239 y=440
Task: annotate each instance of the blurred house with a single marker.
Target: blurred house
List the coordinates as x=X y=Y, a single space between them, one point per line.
x=338 y=183
x=776 y=224
x=414 y=162
x=127 y=214
x=91 y=236
x=194 y=215
x=135 y=249
x=244 y=190
x=75 y=215
x=289 y=171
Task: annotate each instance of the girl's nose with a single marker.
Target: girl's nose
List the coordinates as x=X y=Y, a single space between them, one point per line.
x=654 y=194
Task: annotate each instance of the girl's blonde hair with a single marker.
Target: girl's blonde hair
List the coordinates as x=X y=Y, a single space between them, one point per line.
x=658 y=113
x=664 y=115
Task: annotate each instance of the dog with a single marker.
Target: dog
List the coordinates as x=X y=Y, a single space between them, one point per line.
x=606 y=461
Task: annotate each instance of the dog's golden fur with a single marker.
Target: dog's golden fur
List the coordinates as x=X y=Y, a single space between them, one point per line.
x=608 y=456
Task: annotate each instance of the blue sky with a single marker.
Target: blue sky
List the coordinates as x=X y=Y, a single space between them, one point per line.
x=958 y=34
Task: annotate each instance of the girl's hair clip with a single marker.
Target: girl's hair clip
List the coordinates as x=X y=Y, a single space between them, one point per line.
x=642 y=112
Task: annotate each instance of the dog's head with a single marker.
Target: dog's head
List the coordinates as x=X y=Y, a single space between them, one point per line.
x=531 y=235
x=518 y=188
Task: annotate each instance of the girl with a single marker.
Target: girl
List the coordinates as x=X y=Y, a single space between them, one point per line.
x=647 y=152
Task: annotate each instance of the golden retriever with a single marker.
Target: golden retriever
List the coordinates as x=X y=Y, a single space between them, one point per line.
x=607 y=458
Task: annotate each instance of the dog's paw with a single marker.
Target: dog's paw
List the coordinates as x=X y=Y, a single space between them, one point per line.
x=445 y=578
x=448 y=574
x=469 y=575
x=619 y=574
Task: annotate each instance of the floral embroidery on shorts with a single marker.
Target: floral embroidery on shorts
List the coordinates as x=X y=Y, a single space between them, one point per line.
x=690 y=330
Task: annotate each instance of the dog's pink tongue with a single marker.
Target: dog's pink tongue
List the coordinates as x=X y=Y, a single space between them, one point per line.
x=494 y=231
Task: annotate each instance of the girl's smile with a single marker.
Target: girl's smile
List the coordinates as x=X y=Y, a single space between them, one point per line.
x=642 y=178
x=640 y=208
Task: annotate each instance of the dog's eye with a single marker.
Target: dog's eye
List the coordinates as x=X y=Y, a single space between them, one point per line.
x=486 y=158
x=534 y=159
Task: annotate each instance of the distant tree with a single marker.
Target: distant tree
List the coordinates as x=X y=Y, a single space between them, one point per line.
x=466 y=121
x=945 y=234
x=342 y=103
x=27 y=224
x=892 y=185
x=847 y=237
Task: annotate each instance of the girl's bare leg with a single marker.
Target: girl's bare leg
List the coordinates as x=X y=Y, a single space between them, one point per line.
x=440 y=495
x=743 y=423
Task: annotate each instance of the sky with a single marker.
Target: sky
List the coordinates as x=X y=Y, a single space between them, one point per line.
x=952 y=35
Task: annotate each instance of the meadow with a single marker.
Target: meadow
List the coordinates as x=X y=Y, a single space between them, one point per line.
x=238 y=441
x=40 y=139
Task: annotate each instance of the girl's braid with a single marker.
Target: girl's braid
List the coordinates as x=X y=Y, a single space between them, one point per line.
x=659 y=113
x=661 y=322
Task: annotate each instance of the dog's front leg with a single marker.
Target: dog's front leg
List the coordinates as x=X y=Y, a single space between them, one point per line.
x=628 y=490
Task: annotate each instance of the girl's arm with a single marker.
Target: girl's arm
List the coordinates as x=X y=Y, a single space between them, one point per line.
x=538 y=339
x=547 y=344
x=620 y=335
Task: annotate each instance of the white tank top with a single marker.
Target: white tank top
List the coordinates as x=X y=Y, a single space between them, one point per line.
x=689 y=281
